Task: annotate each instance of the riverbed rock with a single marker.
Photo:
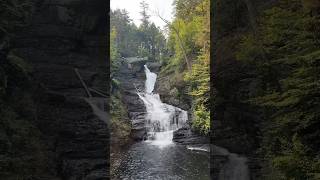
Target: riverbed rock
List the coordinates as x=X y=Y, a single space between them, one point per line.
x=186 y=137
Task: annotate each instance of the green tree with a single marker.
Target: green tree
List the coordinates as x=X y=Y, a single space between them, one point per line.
x=144 y=15
x=114 y=55
x=189 y=42
x=286 y=62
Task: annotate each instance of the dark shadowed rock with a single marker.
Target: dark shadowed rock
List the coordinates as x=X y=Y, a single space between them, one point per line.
x=154 y=66
x=64 y=35
x=131 y=78
x=186 y=137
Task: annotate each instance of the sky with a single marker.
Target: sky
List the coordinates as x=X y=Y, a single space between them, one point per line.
x=164 y=7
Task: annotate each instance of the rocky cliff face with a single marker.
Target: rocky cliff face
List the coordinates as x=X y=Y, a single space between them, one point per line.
x=132 y=79
x=172 y=90
x=62 y=36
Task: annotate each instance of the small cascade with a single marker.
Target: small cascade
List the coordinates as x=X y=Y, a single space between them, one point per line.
x=162 y=119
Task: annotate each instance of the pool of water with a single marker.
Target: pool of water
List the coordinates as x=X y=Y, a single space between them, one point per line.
x=144 y=160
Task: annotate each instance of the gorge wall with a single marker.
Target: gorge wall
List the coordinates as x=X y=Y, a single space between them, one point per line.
x=62 y=36
x=131 y=77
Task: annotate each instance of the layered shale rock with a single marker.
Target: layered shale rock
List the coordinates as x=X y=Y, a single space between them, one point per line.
x=63 y=36
x=132 y=78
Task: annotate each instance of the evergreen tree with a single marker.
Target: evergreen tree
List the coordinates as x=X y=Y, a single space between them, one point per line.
x=190 y=36
x=144 y=15
x=287 y=36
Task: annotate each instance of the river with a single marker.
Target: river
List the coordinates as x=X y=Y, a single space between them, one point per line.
x=159 y=158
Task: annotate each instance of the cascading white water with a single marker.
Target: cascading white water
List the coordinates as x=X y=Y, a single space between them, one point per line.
x=151 y=79
x=162 y=119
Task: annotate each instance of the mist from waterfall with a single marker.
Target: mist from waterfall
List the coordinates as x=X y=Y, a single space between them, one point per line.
x=162 y=119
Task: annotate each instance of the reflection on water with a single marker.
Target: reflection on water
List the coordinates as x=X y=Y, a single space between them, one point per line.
x=173 y=162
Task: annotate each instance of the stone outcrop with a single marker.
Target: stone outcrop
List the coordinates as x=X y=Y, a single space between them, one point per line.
x=167 y=87
x=186 y=137
x=132 y=79
x=64 y=35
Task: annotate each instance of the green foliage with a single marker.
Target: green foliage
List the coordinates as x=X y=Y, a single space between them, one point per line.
x=201 y=120
x=186 y=32
x=199 y=81
x=284 y=55
x=124 y=33
x=252 y=51
x=120 y=123
x=192 y=35
x=146 y=40
x=294 y=163
x=144 y=15
x=114 y=55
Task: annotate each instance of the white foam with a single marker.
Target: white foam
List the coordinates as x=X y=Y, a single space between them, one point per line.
x=162 y=119
x=205 y=148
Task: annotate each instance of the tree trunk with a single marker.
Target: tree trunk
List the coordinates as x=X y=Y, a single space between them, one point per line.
x=180 y=42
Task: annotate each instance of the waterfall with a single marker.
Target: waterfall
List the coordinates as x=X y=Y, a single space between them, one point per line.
x=150 y=80
x=162 y=119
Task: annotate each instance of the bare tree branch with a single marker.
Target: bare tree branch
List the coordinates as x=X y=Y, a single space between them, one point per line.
x=179 y=39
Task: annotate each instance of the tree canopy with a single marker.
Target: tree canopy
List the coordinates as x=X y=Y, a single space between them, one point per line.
x=290 y=80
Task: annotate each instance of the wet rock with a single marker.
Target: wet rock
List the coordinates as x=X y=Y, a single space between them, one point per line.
x=186 y=137
x=169 y=93
x=154 y=66
x=131 y=79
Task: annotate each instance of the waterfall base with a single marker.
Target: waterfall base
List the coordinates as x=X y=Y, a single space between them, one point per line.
x=173 y=162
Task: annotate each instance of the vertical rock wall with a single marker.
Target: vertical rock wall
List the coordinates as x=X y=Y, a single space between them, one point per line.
x=63 y=35
x=131 y=78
